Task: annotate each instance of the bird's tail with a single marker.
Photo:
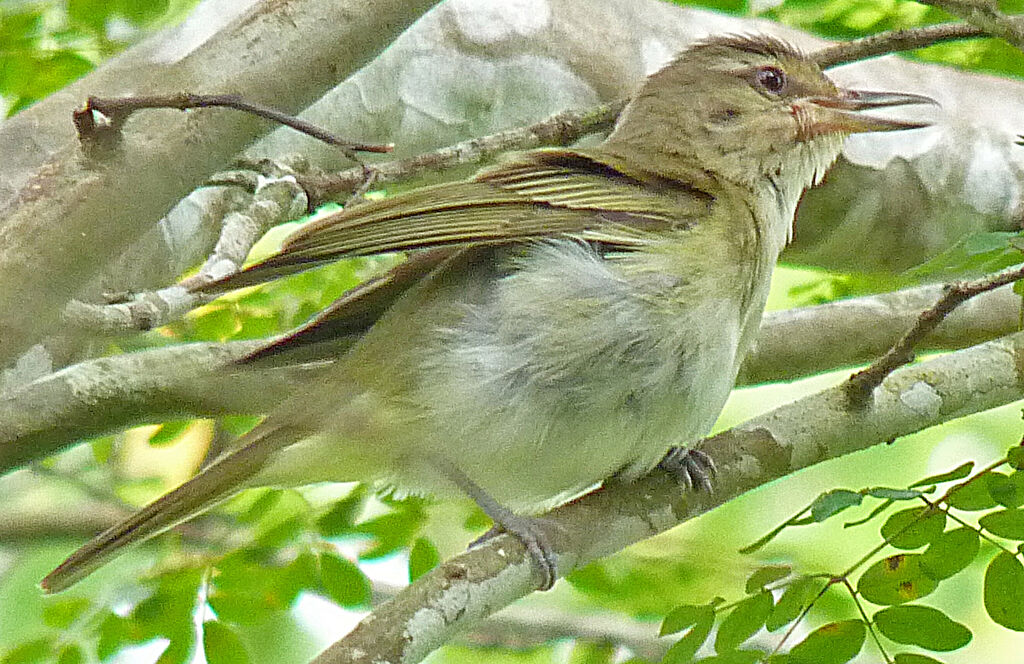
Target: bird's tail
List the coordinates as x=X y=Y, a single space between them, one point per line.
x=214 y=484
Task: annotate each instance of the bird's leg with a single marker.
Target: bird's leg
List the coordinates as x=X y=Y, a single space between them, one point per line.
x=690 y=467
x=529 y=530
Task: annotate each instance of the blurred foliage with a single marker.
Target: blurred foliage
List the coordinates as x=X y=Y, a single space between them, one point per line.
x=849 y=19
x=46 y=45
x=228 y=586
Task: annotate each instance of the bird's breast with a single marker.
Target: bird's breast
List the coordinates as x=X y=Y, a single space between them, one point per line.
x=571 y=369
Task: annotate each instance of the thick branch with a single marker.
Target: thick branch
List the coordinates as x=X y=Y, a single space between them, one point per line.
x=902 y=352
x=108 y=394
x=112 y=393
x=799 y=342
x=469 y=587
x=72 y=216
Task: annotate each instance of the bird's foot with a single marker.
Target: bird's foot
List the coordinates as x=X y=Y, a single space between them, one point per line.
x=531 y=531
x=692 y=468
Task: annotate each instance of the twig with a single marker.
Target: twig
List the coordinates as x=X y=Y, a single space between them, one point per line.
x=147 y=310
x=861 y=385
x=986 y=15
x=274 y=202
x=894 y=40
x=560 y=129
x=103 y=130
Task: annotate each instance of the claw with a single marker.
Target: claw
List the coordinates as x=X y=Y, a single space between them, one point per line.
x=529 y=531
x=692 y=468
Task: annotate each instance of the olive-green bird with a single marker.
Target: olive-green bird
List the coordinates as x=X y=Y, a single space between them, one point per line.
x=565 y=316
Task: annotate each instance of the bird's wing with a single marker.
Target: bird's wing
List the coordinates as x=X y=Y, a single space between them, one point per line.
x=353 y=313
x=540 y=193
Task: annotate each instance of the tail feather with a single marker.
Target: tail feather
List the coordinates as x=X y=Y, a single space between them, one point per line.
x=214 y=484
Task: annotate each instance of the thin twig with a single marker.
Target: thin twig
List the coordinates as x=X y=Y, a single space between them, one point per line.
x=986 y=15
x=560 y=129
x=894 y=40
x=114 y=111
x=861 y=385
x=867 y=620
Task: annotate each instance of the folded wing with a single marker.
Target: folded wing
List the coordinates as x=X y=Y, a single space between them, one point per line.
x=542 y=193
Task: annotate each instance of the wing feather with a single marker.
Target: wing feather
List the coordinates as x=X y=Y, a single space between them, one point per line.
x=541 y=193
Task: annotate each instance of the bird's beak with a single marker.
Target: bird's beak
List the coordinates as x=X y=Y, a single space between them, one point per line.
x=840 y=113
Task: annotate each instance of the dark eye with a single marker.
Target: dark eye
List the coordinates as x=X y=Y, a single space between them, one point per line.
x=771 y=79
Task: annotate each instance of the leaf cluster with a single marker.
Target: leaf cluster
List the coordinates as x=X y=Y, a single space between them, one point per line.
x=935 y=540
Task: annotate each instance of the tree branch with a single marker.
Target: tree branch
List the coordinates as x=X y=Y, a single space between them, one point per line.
x=985 y=14
x=892 y=41
x=560 y=129
x=800 y=342
x=99 y=396
x=70 y=217
x=862 y=383
x=112 y=393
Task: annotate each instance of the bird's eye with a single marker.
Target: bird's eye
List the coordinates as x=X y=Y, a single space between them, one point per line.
x=771 y=79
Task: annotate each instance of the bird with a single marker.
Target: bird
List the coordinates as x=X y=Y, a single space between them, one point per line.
x=564 y=316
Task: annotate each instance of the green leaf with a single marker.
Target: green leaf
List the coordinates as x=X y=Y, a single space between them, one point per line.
x=881 y=507
x=1008 y=491
x=797 y=597
x=751 y=548
x=685 y=648
x=922 y=626
x=71 y=654
x=392 y=531
x=887 y=493
x=913 y=528
x=767 y=575
x=835 y=643
x=914 y=658
x=142 y=12
x=423 y=557
x=743 y=621
x=583 y=652
x=341 y=516
x=833 y=502
x=973 y=495
x=248 y=589
x=181 y=643
x=30 y=652
x=1005 y=523
x=221 y=644
x=238 y=425
x=169 y=432
x=950 y=553
x=344 y=582
x=1015 y=455
x=735 y=657
x=977 y=253
x=115 y=633
x=686 y=616
x=895 y=580
x=286 y=518
x=958 y=473
x=1004 y=591
x=61 y=613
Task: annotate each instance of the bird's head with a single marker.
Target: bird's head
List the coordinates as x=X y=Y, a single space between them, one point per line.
x=749 y=109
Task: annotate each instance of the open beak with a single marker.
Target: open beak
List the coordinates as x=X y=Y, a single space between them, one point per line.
x=840 y=113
